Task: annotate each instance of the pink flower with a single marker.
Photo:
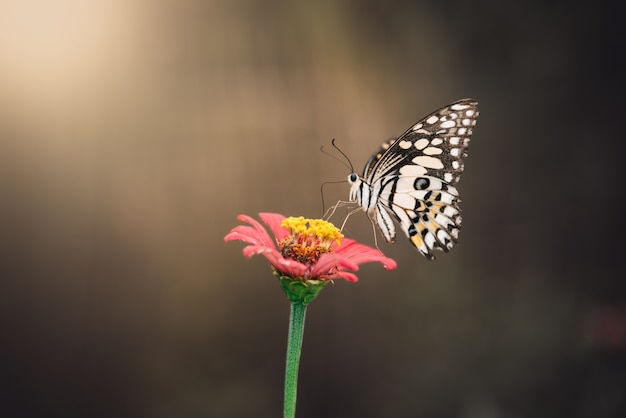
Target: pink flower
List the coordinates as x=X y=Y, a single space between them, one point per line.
x=309 y=249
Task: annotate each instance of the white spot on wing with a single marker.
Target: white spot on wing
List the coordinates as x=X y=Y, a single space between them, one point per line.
x=448 y=124
x=448 y=177
x=454 y=140
x=442 y=235
x=433 y=151
x=455 y=152
x=405 y=184
x=450 y=211
x=447 y=198
x=432 y=119
x=436 y=141
x=405 y=144
x=418 y=194
x=420 y=144
x=429 y=239
x=418 y=126
x=435 y=184
x=428 y=162
x=455 y=165
x=412 y=170
x=459 y=106
x=404 y=200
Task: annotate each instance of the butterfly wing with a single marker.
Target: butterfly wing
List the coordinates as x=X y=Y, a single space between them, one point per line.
x=414 y=177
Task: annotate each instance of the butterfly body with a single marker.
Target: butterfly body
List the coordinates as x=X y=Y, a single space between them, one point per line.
x=412 y=179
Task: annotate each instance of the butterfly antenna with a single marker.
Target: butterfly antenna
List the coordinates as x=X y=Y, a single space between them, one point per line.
x=344 y=155
x=334 y=157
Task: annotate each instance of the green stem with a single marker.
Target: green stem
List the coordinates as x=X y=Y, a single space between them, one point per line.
x=294 y=347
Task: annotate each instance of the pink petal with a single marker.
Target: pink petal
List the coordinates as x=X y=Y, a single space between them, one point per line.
x=251 y=250
x=273 y=220
x=291 y=268
x=329 y=261
x=346 y=275
x=360 y=253
x=244 y=233
x=286 y=266
x=256 y=234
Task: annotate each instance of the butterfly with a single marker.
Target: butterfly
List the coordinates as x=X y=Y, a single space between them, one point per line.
x=412 y=179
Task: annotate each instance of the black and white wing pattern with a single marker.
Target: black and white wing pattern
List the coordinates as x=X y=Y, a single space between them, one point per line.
x=412 y=179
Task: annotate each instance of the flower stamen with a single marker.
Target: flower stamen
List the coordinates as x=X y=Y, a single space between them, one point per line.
x=308 y=239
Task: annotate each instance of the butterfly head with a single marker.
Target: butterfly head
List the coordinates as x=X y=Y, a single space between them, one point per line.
x=355 y=187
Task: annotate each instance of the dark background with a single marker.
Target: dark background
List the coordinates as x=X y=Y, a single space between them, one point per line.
x=133 y=133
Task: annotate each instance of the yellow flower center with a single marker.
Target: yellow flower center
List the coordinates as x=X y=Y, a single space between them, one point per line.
x=308 y=239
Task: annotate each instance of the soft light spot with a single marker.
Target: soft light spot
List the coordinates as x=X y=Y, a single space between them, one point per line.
x=436 y=141
x=64 y=49
x=448 y=124
x=454 y=140
x=461 y=131
x=448 y=177
x=467 y=122
x=469 y=113
x=456 y=165
x=459 y=106
x=432 y=119
x=418 y=126
x=405 y=144
x=455 y=152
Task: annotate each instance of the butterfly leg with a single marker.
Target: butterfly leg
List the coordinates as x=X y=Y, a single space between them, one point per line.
x=374 y=231
x=331 y=210
x=352 y=212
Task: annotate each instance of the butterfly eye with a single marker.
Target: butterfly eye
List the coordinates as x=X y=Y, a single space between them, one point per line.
x=352 y=177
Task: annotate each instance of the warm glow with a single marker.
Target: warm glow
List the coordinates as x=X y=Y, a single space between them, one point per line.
x=58 y=46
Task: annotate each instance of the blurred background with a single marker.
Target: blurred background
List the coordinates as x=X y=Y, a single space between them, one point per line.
x=132 y=133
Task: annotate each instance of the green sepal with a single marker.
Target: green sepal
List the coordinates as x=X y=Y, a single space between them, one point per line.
x=300 y=291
